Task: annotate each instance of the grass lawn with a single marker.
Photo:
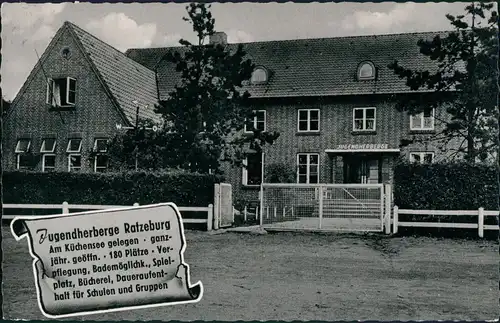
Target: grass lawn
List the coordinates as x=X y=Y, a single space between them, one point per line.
x=287 y=276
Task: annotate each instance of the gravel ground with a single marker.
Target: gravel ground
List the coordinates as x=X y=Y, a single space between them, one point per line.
x=286 y=276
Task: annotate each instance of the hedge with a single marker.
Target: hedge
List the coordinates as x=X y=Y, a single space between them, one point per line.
x=454 y=186
x=457 y=186
x=182 y=188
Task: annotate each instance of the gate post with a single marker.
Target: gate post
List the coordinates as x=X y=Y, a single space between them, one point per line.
x=216 y=206
x=261 y=197
x=388 y=203
x=320 y=211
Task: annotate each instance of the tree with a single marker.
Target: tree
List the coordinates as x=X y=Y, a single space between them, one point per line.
x=465 y=82
x=205 y=114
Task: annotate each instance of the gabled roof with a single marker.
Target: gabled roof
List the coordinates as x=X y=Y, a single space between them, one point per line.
x=123 y=79
x=127 y=80
x=313 y=67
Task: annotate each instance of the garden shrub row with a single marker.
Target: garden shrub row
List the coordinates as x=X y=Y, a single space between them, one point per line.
x=453 y=186
x=182 y=188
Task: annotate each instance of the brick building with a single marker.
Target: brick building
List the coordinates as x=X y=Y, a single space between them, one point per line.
x=332 y=100
x=71 y=103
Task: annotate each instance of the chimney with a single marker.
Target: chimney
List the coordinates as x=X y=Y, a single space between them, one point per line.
x=219 y=37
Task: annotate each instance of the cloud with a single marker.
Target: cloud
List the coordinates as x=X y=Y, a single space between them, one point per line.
x=44 y=33
x=122 y=32
x=22 y=16
x=381 y=21
x=238 y=36
x=171 y=40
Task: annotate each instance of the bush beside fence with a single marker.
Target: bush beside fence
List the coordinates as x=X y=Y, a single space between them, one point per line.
x=181 y=188
x=453 y=186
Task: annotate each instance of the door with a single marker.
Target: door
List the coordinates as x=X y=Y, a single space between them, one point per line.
x=361 y=170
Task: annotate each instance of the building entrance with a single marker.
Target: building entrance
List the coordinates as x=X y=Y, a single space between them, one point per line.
x=363 y=169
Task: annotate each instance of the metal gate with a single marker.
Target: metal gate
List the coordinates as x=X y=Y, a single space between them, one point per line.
x=351 y=207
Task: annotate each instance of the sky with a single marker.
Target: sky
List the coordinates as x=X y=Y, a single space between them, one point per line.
x=30 y=27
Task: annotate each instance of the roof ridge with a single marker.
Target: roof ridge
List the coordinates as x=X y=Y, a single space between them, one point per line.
x=305 y=39
x=72 y=25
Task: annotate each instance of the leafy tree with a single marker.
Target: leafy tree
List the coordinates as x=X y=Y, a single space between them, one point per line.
x=465 y=82
x=205 y=114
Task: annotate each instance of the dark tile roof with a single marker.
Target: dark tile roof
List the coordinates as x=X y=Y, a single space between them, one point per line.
x=126 y=79
x=314 y=67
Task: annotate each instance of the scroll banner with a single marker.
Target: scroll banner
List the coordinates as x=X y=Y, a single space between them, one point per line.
x=112 y=260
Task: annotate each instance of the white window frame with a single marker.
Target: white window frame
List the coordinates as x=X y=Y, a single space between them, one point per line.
x=255 y=121
x=74 y=153
x=68 y=148
x=364 y=119
x=45 y=151
x=44 y=168
x=421 y=154
x=50 y=99
x=95 y=145
x=364 y=78
x=18 y=151
x=259 y=68
x=70 y=169
x=308 y=120
x=68 y=90
x=421 y=119
x=244 y=175
x=308 y=165
x=99 y=153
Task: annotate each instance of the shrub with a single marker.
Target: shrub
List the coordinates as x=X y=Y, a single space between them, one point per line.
x=456 y=186
x=182 y=188
x=279 y=173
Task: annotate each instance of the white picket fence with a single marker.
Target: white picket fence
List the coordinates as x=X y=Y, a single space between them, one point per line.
x=65 y=207
x=481 y=214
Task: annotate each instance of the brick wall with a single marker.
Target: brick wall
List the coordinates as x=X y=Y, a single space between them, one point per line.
x=94 y=115
x=336 y=123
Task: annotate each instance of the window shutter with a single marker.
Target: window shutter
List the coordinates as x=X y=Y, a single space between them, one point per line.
x=50 y=91
x=70 y=90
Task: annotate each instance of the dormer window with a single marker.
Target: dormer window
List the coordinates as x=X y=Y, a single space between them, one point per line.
x=366 y=71
x=259 y=76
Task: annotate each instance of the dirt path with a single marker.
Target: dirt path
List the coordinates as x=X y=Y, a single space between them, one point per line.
x=308 y=277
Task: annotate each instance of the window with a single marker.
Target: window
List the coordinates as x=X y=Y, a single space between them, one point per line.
x=308 y=168
x=366 y=71
x=48 y=146
x=423 y=120
x=61 y=92
x=308 y=120
x=48 y=156
x=100 y=160
x=74 y=157
x=252 y=169
x=259 y=76
x=48 y=162
x=259 y=122
x=23 y=160
x=364 y=119
x=421 y=157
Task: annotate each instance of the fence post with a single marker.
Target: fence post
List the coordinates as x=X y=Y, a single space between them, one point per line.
x=216 y=206
x=320 y=212
x=65 y=208
x=210 y=217
x=245 y=214
x=395 y=220
x=275 y=209
x=480 y=222
x=261 y=195
x=388 y=202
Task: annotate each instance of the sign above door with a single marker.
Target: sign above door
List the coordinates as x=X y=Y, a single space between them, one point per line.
x=362 y=148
